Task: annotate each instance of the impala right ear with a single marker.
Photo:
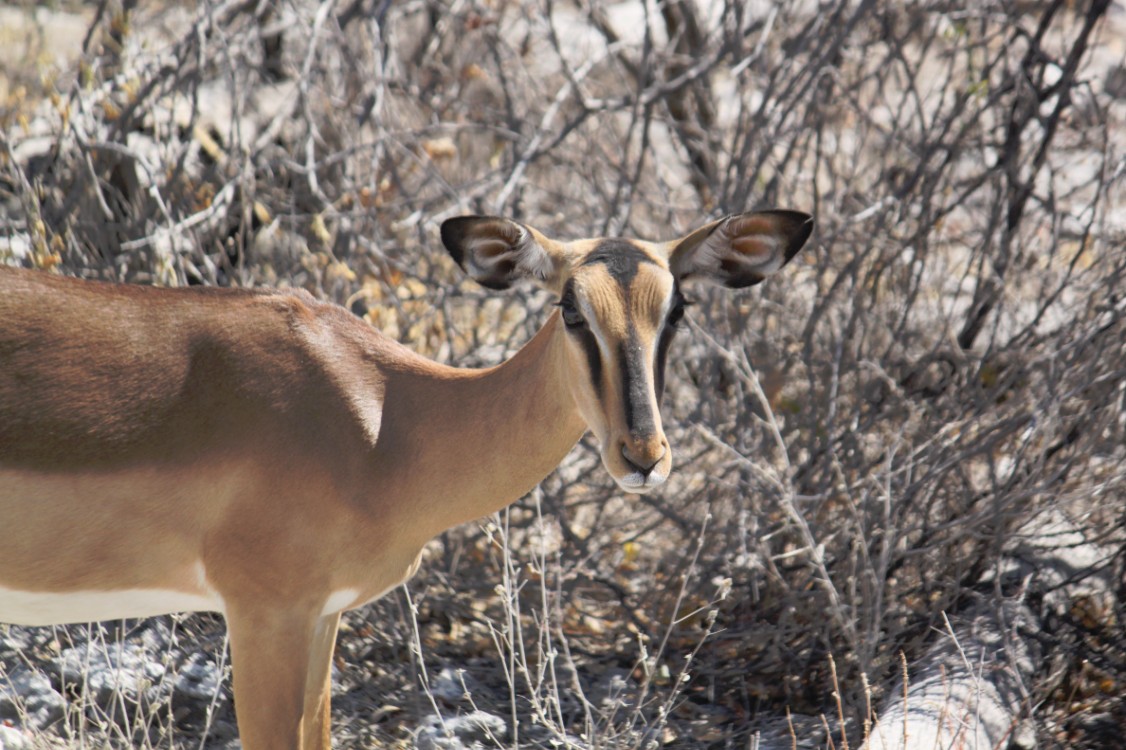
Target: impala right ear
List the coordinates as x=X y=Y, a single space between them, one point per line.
x=496 y=252
x=741 y=250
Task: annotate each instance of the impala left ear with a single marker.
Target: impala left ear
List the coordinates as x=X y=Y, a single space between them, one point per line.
x=496 y=252
x=741 y=250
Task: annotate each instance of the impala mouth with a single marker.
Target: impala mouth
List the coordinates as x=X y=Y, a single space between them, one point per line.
x=641 y=483
x=639 y=470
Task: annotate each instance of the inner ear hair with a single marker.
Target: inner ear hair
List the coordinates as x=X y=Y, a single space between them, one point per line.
x=464 y=235
x=495 y=251
x=742 y=249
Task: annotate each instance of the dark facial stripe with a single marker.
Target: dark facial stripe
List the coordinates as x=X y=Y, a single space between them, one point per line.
x=667 y=333
x=662 y=355
x=593 y=358
x=621 y=259
x=589 y=344
x=635 y=393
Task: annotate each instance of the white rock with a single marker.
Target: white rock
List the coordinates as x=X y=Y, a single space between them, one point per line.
x=105 y=670
x=13 y=739
x=198 y=679
x=473 y=731
x=27 y=694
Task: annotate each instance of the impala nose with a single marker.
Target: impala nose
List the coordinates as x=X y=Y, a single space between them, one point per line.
x=645 y=456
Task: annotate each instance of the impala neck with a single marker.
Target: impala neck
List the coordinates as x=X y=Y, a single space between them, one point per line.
x=484 y=438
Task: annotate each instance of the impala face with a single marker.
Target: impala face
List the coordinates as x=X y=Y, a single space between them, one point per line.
x=619 y=306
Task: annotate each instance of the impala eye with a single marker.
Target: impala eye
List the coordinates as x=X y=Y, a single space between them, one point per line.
x=676 y=313
x=572 y=318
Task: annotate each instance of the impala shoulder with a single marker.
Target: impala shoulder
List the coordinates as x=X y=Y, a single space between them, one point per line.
x=292 y=305
x=342 y=350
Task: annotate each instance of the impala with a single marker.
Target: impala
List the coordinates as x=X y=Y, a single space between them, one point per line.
x=273 y=458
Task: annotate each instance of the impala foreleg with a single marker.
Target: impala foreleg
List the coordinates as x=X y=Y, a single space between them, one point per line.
x=281 y=663
x=317 y=723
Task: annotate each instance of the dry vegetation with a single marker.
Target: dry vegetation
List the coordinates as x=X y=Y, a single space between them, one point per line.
x=859 y=441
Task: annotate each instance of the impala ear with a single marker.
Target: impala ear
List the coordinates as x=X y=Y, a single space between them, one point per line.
x=740 y=250
x=496 y=252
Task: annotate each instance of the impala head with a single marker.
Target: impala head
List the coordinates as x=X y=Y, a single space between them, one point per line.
x=620 y=304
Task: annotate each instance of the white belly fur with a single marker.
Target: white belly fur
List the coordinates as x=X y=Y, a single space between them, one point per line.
x=55 y=608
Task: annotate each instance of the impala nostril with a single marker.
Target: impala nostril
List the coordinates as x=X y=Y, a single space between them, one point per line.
x=642 y=467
